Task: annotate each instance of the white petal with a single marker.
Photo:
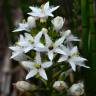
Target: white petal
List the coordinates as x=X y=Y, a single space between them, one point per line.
x=35 y=9
x=38 y=58
x=31 y=73
x=19 y=57
x=59 y=42
x=46 y=64
x=48 y=40
x=72 y=38
x=15 y=54
x=83 y=65
x=78 y=59
x=73 y=65
x=16 y=48
x=46 y=6
x=49 y=14
x=50 y=55
x=39 y=45
x=74 y=50
x=27 y=49
x=27 y=64
x=43 y=73
x=58 y=50
x=37 y=37
x=62 y=58
x=28 y=36
x=22 y=38
x=54 y=8
x=22 y=27
x=66 y=33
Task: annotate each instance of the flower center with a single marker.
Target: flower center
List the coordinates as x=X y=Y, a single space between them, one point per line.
x=51 y=47
x=37 y=65
x=30 y=41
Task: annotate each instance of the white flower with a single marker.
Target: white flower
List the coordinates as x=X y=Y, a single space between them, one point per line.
x=59 y=85
x=77 y=89
x=36 y=67
x=72 y=57
x=69 y=37
x=18 y=53
x=24 y=45
x=43 y=12
x=30 y=43
x=58 y=23
x=26 y=26
x=50 y=46
x=26 y=42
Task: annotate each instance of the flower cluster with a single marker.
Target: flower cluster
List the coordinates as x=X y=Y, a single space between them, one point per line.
x=45 y=43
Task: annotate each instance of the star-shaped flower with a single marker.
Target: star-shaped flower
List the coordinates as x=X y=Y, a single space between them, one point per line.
x=72 y=57
x=50 y=46
x=18 y=53
x=36 y=67
x=26 y=26
x=44 y=11
x=30 y=43
x=69 y=37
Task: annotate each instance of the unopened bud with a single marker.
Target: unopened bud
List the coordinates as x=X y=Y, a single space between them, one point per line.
x=77 y=89
x=58 y=23
x=24 y=86
x=44 y=30
x=31 y=22
x=59 y=85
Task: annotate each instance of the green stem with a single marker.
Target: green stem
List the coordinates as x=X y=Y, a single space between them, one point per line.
x=84 y=26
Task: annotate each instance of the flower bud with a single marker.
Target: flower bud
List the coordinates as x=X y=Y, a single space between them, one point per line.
x=44 y=30
x=59 y=85
x=76 y=89
x=24 y=86
x=58 y=23
x=31 y=22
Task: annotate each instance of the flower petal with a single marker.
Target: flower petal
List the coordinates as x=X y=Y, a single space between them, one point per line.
x=27 y=49
x=60 y=51
x=48 y=40
x=37 y=37
x=78 y=59
x=43 y=73
x=46 y=6
x=54 y=8
x=35 y=9
x=27 y=64
x=74 y=50
x=73 y=65
x=46 y=64
x=18 y=56
x=31 y=73
x=83 y=65
x=50 y=55
x=38 y=58
x=59 y=42
x=62 y=58
x=39 y=45
x=28 y=36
